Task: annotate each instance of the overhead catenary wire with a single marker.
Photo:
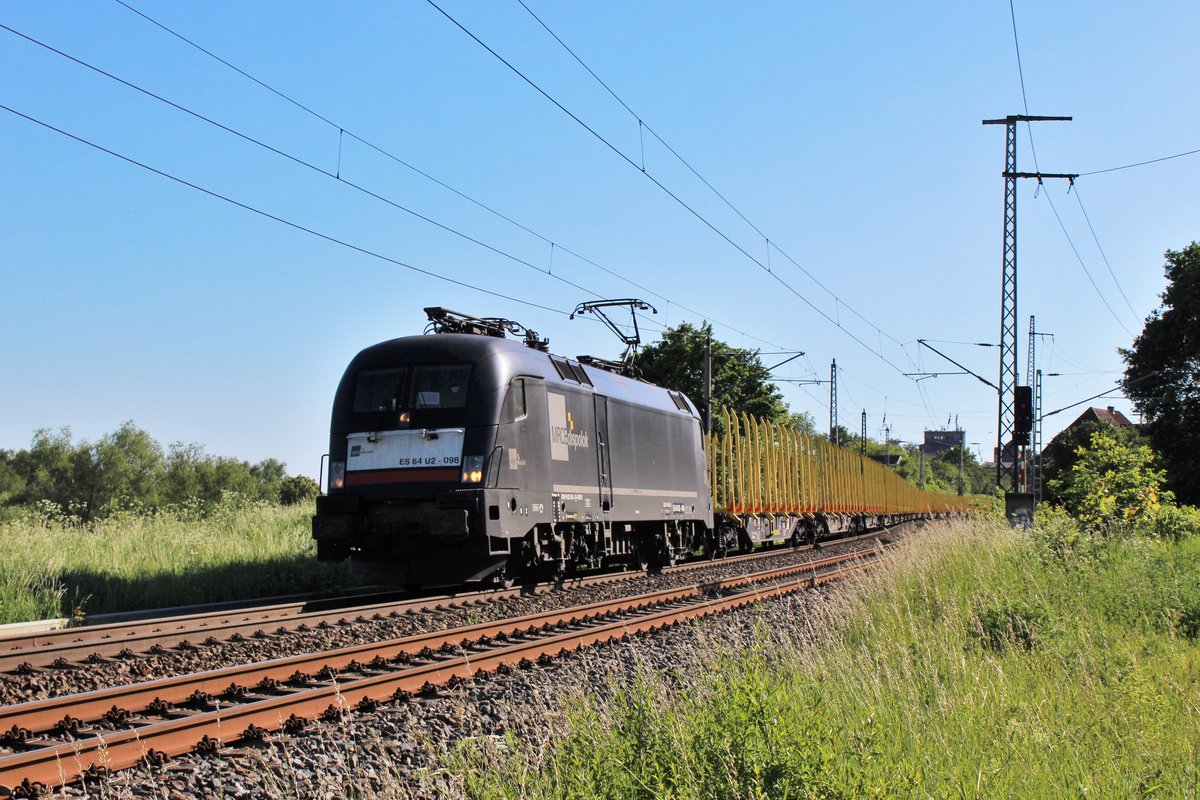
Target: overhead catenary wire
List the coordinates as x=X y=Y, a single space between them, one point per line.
x=1096 y=239
x=1083 y=266
x=345 y=133
x=642 y=124
x=392 y=156
x=1139 y=163
x=297 y=160
x=278 y=219
x=680 y=201
x=1037 y=168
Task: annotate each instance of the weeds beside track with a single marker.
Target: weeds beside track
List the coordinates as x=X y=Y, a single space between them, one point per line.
x=987 y=662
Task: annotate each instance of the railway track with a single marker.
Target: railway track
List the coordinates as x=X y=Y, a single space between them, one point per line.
x=61 y=740
x=25 y=653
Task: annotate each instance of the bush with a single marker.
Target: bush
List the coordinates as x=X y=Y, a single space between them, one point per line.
x=1112 y=482
x=297 y=489
x=1172 y=522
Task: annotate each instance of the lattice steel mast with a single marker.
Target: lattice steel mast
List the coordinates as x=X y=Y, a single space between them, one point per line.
x=833 y=431
x=1008 y=297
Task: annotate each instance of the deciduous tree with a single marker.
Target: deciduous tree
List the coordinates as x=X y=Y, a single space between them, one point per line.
x=740 y=381
x=1162 y=373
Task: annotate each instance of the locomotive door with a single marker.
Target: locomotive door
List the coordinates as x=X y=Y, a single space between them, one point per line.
x=603 y=457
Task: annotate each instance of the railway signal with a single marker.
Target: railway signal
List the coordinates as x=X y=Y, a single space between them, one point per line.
x=1022 y=413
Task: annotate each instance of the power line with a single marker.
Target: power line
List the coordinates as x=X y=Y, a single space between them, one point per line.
x=241 y=72
x=1086 y=271
x=1096 y=239
x=1140 y=163
x=297 y=160
x=280 y=220
x=1033 y=150
x=616 y=150
x=461 y=194
x=384 y=152
x=643 y=124
x=1012 y=12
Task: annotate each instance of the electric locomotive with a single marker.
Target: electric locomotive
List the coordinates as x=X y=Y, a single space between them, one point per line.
x=466 y=455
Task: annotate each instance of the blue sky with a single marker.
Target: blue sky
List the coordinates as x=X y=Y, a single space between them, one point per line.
x=849 y=135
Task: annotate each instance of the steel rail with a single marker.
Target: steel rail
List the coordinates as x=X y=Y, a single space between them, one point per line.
x=63 y=762
x=68 y=646
x=41 y=715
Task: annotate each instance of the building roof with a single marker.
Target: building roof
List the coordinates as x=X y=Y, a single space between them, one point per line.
x=1109 y=415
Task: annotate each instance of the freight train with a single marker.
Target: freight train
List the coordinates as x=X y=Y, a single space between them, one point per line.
x=464 y=455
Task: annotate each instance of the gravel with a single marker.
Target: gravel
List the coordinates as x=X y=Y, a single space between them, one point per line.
x=398 y=750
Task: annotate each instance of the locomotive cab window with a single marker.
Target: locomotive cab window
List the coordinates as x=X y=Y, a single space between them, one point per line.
x=380 y=390
x=440 y=387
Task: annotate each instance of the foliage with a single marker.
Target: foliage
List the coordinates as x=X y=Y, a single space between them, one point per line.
x=941 y=470
x=54 y=565
x=1112 y=482
x=297 y=489
x=127 y=470
x=1162 y=373
x=740 y=381
x=1060 y=455
x=1088 y=690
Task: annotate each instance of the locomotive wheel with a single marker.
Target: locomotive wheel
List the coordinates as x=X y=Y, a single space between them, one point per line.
x=502 y=579
x=639 y=559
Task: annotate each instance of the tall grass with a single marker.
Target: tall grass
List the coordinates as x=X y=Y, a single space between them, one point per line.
x=52 y=565
x=981 y=662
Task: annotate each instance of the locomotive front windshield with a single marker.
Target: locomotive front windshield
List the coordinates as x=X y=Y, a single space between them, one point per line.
x=402 y=397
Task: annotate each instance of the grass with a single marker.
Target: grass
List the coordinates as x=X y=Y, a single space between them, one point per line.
x=51 y=566
x=982 y=662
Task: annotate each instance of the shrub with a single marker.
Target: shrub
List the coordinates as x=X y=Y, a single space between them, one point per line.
x=297 y=489
x=1112 y=482
x=1171 y=522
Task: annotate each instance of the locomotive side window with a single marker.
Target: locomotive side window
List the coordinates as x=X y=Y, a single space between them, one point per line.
x=440 y=387
x=580 y=374
x=380 y=390
x=514 y=403
x=563 y=368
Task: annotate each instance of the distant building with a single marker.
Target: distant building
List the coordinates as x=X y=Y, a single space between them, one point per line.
x=1109 y=415
x=939 y=441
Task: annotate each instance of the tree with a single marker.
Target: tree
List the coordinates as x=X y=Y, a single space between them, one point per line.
x=1060 y=455
x=127 y=470
x=740 y=381
x=1162 y=373
x=1112 y=481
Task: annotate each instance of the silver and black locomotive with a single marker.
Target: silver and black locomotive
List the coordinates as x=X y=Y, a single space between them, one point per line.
x=468 y=455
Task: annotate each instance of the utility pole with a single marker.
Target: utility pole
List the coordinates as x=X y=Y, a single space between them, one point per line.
x=961 y=447
x=862 y=442
x=708 y=383
x=1033 y=375
x=1037 y=436
x=1008 y=297
x=1030 y=459
x=833 y=416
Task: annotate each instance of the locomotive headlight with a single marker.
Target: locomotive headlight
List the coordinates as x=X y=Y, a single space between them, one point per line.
x=337 y=474
x=472 y=469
